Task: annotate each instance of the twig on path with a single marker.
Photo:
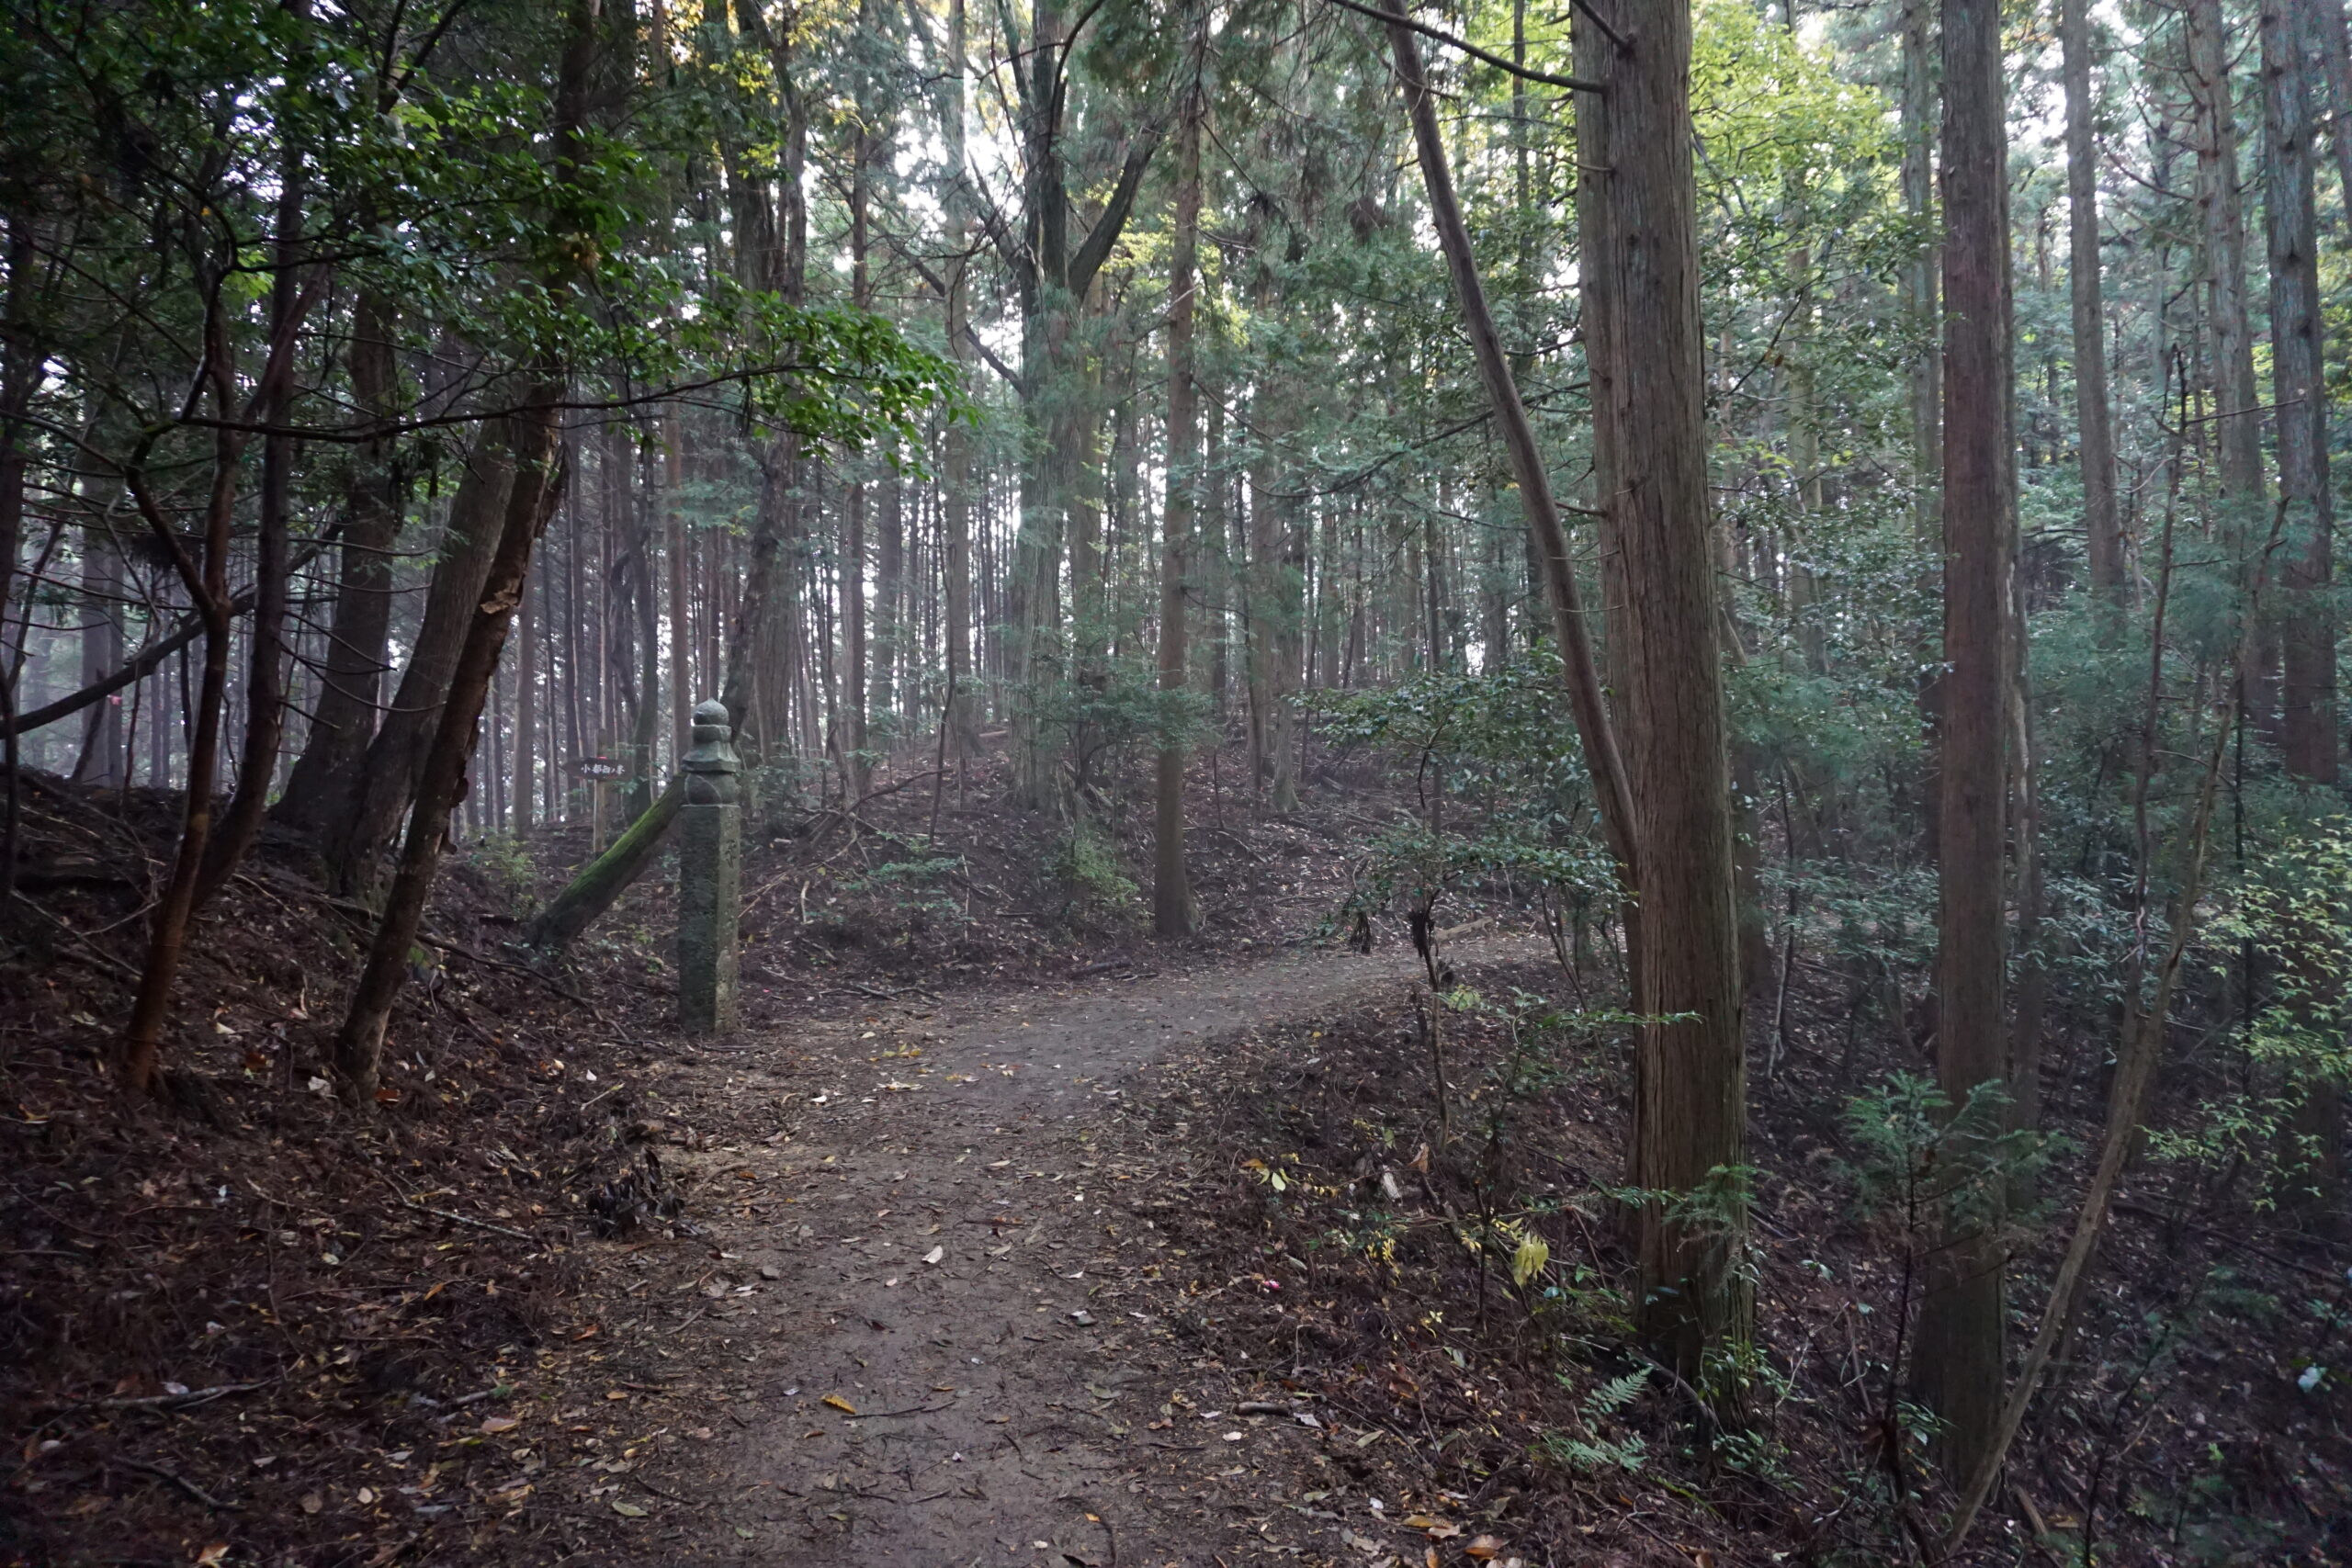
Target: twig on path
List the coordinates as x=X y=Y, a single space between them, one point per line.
x=185 y=1400
x=910 y=1410
x=451 y=1215
x=176 y=1479
x=672 y=1496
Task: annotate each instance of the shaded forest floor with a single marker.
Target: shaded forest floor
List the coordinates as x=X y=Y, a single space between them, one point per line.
x=1223 y=1246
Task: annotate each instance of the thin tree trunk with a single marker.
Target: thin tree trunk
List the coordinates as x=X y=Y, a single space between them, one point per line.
x=2096 y=432
x=265 y=670
x=2142 y=1054
x=537 y=467
x=1173 y=911
x=207 y=581
x=852 y=556
x=527 y=704
x=1579 y=669
x=682 y=690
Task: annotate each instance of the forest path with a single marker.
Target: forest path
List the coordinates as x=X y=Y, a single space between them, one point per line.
x=948 y=1365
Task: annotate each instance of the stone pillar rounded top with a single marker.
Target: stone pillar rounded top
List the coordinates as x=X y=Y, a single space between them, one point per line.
x=711 y=766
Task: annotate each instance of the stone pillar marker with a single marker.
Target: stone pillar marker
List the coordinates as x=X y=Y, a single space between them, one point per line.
x=711 y=877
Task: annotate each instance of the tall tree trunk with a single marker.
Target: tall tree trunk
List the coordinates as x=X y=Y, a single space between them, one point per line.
x=344 y=722
x=1642 y=279
x=2291 y=58
x=386 y=783
x=1173 y=911
x=526 y=705
x=266 y=666
x=681 y=688
x=538 y=477
x=1922 y=311
x=1957 y=1364
x=960 y=711
x=2238 y=419
x=19 y=359
x=890 y=620
x=1924 y=371
x=2101 y=526
x=2289 y=62
x=645 y=672
x=2336 y=52
x=852 y=554
x=101 y=761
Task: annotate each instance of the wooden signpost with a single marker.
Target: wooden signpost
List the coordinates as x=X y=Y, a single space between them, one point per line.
x=598 y=772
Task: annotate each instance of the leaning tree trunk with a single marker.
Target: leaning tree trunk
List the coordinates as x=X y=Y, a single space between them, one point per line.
x=386 y=785
x=537 y=451
x=1580 y=670
x=535 y=441
x=206 y=577
x=265 y=669
x=1957 y=1365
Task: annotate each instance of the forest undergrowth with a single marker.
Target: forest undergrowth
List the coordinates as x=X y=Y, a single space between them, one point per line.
x=225 y=1307
x=214 y=1302
x=1452 y=1269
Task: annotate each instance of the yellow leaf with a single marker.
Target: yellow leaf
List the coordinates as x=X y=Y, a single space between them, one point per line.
x=495 y=1424
x=838 y=1403
x=1529 y=1260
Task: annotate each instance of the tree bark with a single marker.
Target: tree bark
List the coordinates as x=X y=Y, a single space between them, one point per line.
x=325 y=775
x=853 y=552
x=2290 y=51
x=2096 y=435
x=387 y=781
x=206 y=577
x=537 y=477
x=526 y=705
x=2291 y=57
x=1173 y=911
x=960 y=712
x=1957 y=1363
x=2238 y=420
x=537 y=454
x=266 y=666
x=1641 y=278
x=681 y=688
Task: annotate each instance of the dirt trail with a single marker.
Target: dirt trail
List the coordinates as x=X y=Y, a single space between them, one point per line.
x=955 y=1261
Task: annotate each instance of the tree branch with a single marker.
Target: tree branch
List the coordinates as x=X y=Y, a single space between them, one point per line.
x=1573 y=84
